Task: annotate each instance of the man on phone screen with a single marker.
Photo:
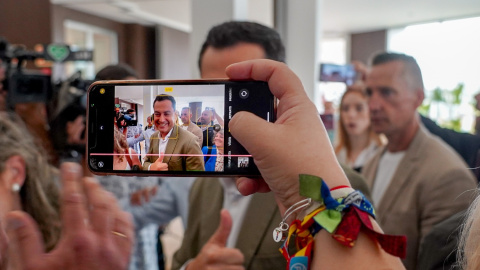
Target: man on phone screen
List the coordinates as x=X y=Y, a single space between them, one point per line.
x=171 y=148
x=187 y=124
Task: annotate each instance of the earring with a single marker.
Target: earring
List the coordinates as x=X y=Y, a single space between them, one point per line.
x=16 y=187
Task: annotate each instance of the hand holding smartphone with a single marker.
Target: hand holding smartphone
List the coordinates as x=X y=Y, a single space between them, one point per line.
x=172 y=142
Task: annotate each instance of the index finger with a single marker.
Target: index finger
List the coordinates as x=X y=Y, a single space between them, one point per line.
x=74 y=212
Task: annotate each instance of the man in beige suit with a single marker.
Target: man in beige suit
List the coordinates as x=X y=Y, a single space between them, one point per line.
x=186 y=116
x=248 y=241
x=416 y=180
x=177 y=148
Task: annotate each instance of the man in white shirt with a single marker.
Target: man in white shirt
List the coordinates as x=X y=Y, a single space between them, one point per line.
x=416 y=180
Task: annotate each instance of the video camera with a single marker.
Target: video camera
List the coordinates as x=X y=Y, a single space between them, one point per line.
x=25 y=86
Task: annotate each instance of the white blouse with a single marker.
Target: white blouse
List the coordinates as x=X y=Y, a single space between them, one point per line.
x=361 y=159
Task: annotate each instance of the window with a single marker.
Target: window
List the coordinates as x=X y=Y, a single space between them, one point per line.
x=448 y=54
x=103 y=42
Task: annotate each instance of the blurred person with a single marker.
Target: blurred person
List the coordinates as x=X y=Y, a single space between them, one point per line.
x=96 y=234
x=238 y=41
x=171 y=148
x=445 y=246
x=27 y=181
x=440 y=247
x=416 y=180
x=130 y=115
x=125 y=158
x=215 y=161
x=187 y=124
x=148 y=133
x=357 y=142
x=67 y=132
x=116 y=72
x=254 y=217
x=149 y=123
x=465 y=144
x=144 y=255
x=205 y=122
x=468 y=248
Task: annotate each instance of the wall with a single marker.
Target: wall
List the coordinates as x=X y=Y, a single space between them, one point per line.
x=136 y=43
x=174 y=54
x=26 y=22
x=141 y=50
x=364 y=45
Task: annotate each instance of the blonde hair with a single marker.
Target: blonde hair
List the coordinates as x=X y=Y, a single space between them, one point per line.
x=119 y=143
x=468 y=252
x=342 y=135
x=39 y=194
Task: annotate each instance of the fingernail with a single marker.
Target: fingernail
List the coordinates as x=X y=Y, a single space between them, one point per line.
x=70 y=167
x=74 y=198
x=14 y=223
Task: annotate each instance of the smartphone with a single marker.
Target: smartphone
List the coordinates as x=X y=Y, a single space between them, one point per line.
x=337 y=73
x=168 y=142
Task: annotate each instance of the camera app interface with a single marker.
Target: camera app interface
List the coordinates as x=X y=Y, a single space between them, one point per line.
x=168 y=128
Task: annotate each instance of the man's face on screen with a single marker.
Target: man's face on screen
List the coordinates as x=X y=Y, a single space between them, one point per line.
x=206 y=117
x=164 y=116
x=185 y=116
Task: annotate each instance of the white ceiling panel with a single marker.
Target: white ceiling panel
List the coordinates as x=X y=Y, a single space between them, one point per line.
x=338 y=16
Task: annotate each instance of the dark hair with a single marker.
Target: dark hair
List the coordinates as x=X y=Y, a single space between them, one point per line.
x=165 y=97
x=386 y=57
x=130 y=110
x=58 y=128
x=231 y=33
x=411 y=65
x=116 y=72
x=119 y=120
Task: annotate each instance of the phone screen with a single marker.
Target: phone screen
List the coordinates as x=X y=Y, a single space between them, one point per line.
x=135 y=129
x=337 y=73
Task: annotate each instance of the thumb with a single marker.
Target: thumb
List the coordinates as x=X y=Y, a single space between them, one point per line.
x=220 y=236
x=160 y=157
x=25 y=240
x=250 y=130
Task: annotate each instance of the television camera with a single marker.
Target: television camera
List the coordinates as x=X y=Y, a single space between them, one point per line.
x=23 y=85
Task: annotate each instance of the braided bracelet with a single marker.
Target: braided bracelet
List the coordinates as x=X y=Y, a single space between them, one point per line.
x=344 y=217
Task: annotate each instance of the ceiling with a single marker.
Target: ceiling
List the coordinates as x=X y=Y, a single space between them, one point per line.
x=338 y=16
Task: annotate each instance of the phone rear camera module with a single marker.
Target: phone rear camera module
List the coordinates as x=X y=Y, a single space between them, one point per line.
x=244 y=93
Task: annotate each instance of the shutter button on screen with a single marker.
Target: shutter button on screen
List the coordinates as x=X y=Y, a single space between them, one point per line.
x=243 y=93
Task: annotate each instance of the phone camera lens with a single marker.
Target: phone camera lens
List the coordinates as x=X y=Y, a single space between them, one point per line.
x=102 y=127
x=100 y=164
x=243 y=93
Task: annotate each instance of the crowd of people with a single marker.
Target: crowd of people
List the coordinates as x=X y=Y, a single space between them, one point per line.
x=318 y=201
x=180 y=153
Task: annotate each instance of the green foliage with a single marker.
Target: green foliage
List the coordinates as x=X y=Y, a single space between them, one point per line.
x=424 y=108
x=438 y=95
x=449 y=98
x=457 y=94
